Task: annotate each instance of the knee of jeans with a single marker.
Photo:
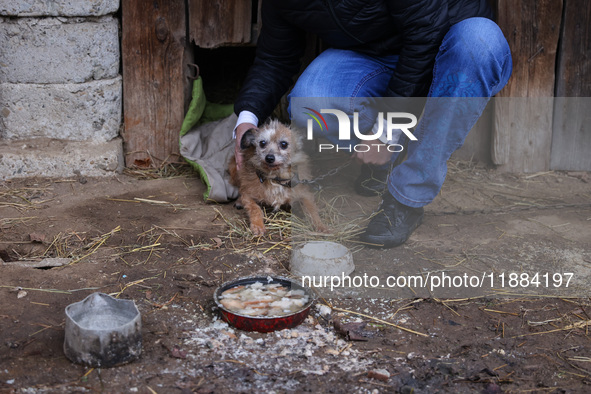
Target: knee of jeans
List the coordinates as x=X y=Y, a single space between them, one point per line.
x=482 y=42
x=298 y=91
x=305 y=87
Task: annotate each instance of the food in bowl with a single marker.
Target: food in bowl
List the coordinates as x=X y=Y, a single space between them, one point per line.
x=260 y=299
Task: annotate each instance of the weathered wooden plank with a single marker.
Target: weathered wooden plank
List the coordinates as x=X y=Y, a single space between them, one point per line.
x=477 y=145
x=571 y=138
x=571 y=142
x=522 y=135
x=257 y=24
x=155 y=88
x=574 y=62
x=213 y=23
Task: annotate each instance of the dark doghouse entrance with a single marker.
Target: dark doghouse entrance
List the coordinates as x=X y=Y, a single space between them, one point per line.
x=223 y=71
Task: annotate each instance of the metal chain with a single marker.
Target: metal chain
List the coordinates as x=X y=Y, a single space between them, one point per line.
x=332 y=172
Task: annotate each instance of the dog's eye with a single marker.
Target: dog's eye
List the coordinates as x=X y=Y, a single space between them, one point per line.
x=262 y=143
x=283 y=145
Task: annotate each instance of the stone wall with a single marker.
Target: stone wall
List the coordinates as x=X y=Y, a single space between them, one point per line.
x=60 y=88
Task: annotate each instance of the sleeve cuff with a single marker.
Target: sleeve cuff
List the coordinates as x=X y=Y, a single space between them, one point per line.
x=245 y=117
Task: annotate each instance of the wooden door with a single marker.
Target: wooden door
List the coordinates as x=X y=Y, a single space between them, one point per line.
x=571 y=138
x=522 y=131
x=157 y=41
x=155 y=54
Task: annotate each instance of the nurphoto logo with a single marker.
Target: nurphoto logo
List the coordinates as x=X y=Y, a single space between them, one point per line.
x=385 y=133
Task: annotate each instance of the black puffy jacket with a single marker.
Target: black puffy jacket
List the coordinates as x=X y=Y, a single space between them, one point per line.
x=413 y=29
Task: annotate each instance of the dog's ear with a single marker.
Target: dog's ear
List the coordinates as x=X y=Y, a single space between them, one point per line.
x=247 y=139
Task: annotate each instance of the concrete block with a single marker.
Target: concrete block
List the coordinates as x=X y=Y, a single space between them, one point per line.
x=58 y=7
x=78 y=112
x=57 y=158
x=58 y=50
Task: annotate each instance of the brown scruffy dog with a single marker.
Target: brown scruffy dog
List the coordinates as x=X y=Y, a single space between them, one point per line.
x=272 y=167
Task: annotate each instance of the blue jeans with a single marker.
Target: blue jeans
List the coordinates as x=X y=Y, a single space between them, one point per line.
x=473 y=64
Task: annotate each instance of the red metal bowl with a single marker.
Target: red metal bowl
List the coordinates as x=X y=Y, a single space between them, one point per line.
x=263 y=323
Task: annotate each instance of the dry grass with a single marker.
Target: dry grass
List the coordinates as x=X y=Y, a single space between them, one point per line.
x=165 y=170
x=482 y=190
x=9 y=222
x=76 y=246
x=285 y=229
x=22 y=198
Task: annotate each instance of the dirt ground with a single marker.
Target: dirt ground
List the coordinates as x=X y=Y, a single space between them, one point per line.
x=150 y=238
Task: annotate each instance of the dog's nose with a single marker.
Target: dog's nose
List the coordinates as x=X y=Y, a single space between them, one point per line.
x=270 y=159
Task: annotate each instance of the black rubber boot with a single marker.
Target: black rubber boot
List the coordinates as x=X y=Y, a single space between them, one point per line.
x=393 y=224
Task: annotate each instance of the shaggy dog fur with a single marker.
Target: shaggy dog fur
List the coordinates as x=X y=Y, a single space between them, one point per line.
x=273 y=164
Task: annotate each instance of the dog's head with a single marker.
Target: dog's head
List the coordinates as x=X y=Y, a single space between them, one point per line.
x=273 y=145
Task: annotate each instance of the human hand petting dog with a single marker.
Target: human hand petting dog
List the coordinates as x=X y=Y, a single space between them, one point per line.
x=240 y=130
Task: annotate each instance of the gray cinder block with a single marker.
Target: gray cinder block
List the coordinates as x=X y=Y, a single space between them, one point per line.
x=78 y=112
x=58 y=7
x=58 y=50
x=58 y=158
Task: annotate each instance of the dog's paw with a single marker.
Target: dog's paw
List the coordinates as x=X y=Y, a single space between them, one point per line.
x=257 y=229
x=321 y=228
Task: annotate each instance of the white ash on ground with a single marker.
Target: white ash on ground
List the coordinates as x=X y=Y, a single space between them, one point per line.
x=308 y=348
